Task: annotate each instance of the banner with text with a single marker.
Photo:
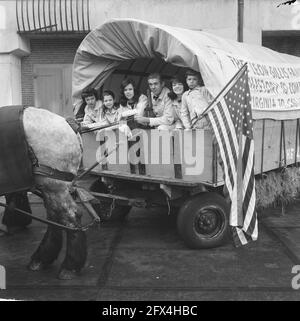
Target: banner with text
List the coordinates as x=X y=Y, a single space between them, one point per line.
x=274 y=87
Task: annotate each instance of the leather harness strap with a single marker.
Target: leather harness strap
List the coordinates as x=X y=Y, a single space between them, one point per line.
x=50 y=172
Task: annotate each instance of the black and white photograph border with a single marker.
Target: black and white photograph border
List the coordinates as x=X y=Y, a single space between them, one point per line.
x=149 y=151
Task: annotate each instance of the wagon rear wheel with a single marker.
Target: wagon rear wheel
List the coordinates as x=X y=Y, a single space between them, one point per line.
x=203 y=221
x=103 y=209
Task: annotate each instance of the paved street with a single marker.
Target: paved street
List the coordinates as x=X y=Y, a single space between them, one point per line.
x=142 y=258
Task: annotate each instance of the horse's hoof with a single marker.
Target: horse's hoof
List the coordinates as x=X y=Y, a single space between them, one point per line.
x=67 y=274
x=35 y=266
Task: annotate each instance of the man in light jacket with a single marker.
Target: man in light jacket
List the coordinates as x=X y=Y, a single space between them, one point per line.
x=162 y=105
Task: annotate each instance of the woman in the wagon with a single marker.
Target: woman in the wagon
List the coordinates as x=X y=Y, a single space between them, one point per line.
x=131 y=99
x=178 y=88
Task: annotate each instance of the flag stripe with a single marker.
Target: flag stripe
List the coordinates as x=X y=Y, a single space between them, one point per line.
x=251 y=216
x=225 y=113
x=227 y=134
x=248 y=194
x=224 y=139
x=222 y=153
x=249 y=210
x=248 y=169
x=233 y=219
x=217 y=121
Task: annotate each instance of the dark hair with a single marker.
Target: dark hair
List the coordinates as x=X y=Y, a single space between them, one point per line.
x=89 y=92
x=191 y=72
x=107 y=93
x=177 y=79
x=155 y=75
x=125 y=83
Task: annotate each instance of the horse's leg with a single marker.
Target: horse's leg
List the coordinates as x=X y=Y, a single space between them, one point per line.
x=75 y=255
x=63 y=209
x=48 y=249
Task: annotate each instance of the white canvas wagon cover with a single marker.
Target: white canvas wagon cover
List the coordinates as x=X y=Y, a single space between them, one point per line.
x=274 y=78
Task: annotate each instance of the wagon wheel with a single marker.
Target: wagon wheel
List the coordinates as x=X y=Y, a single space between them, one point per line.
x=104 y=209
x=203 y=221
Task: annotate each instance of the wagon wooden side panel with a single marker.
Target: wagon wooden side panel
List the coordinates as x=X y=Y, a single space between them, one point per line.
x=190 y=156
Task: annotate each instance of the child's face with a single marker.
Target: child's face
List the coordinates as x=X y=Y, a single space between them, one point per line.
x=108 y=101
x=129 y=91
x=90 y=101
x=178 y=88
x=192 y=81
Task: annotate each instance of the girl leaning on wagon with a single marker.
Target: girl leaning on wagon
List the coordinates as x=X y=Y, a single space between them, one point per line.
x=130 y=98
x=178 y=88
x=110 y=113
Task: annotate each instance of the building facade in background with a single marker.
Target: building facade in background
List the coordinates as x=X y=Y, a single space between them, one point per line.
x=39 y=38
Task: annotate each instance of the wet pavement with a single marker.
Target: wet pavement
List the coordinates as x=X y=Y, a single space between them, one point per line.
x=143 y=258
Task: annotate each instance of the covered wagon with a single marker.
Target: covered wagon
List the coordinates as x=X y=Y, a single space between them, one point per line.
x=179 y=169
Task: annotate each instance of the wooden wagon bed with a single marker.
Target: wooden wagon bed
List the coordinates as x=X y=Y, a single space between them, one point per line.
x=277 y=144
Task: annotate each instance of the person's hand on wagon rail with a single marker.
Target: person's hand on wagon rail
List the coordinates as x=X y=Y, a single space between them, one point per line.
x=142 y=120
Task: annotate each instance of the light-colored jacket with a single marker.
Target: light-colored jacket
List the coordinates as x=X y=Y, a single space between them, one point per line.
x=176 y=105
x=162 y=108
x=92 y=115
x=139 y=106
x=194 y=102
x=109 y=116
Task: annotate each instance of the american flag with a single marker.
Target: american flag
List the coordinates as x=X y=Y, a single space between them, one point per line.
x=230 y=117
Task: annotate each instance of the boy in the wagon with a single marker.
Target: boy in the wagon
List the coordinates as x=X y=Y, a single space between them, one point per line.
x=194 y=102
